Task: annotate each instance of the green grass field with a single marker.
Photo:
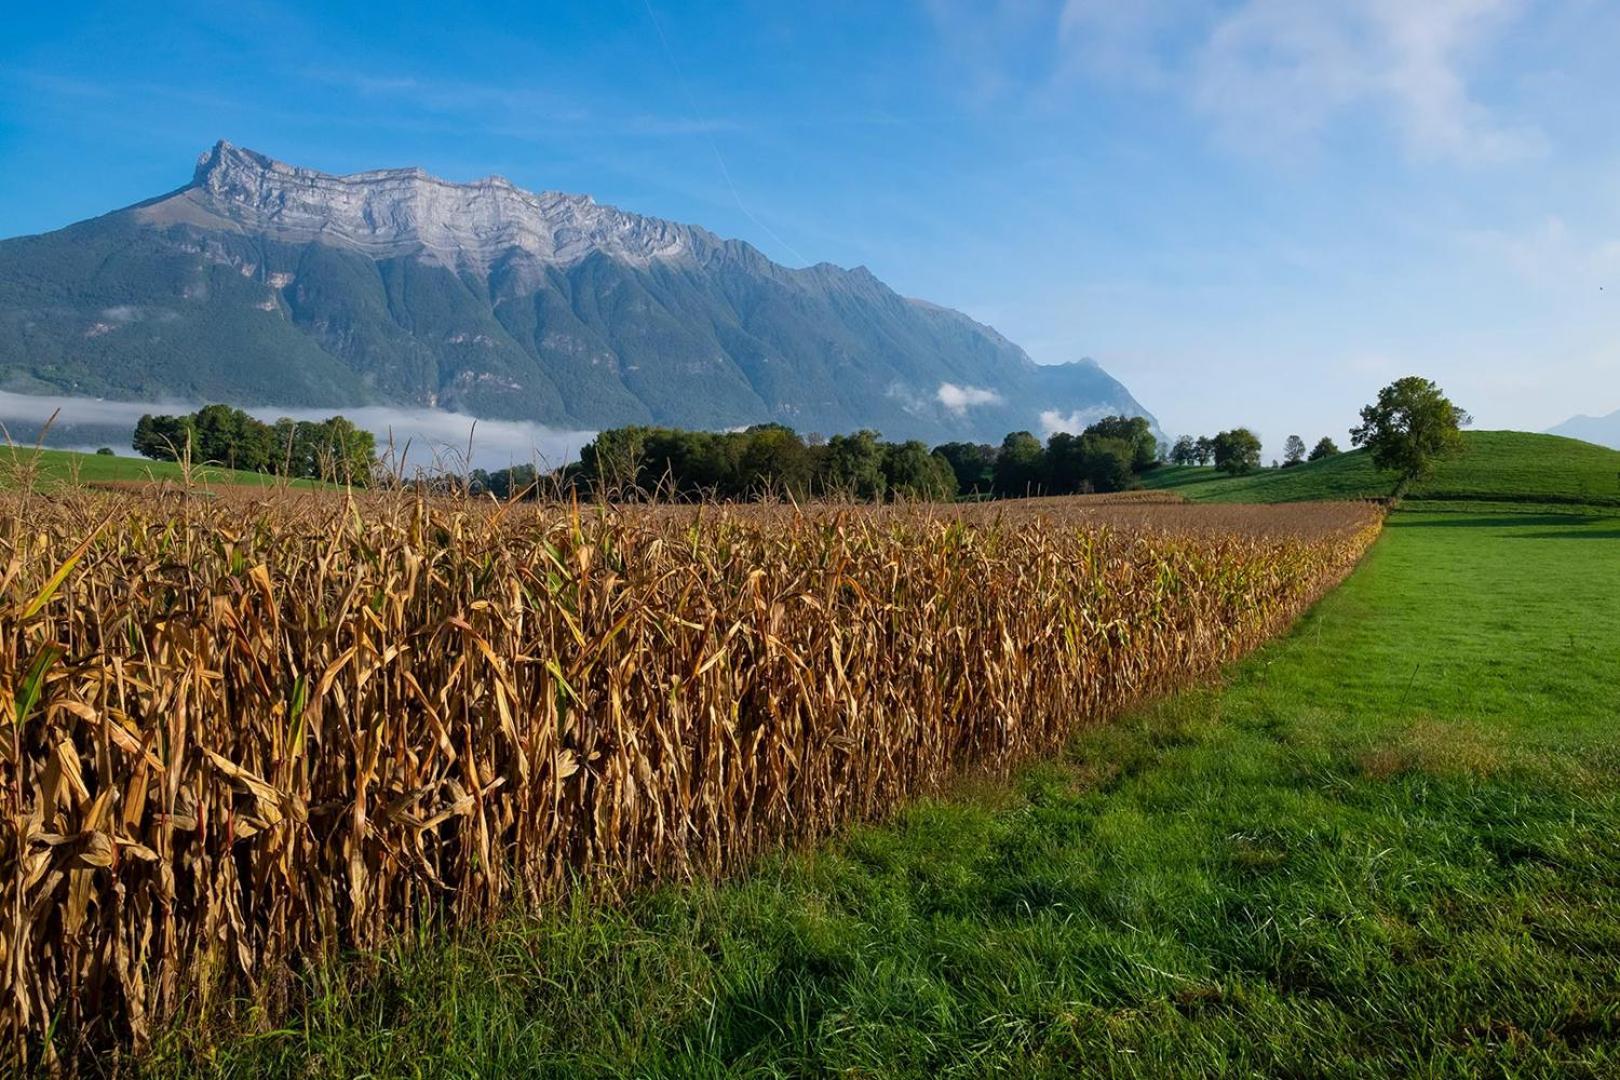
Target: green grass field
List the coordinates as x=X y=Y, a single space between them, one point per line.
x=1387 y=845
x=51 y=467
x=1495 y=466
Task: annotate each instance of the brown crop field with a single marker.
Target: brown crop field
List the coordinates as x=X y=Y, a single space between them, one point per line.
x=243 y=733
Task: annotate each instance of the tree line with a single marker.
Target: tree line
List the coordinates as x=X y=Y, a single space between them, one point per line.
x=332 y=449
x=772 y=460
x=1409 y=428
x=1238 y=451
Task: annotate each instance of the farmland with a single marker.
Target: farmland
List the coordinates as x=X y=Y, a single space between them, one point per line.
x=249 y=733
x=1383 y=845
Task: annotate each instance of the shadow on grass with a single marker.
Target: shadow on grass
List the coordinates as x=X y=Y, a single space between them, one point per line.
x=1504 y=520
x=1571 y=534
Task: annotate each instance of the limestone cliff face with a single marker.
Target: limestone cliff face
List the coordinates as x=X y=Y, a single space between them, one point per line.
x=393 y=212
x=263 y=283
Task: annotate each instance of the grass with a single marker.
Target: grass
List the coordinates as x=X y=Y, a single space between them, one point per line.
x=69 y=467
x=1386 y=846
x=1499 y=466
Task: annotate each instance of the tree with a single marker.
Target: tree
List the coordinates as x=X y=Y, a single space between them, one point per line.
x=911 y=471
x=1325 y=449
x=1019 y=466
x=1293 y=451
x=1411 y=427
x=1237 y=451
x=974 y=465
x=853 y=466
x=613 y=460
x=1110 y=464
x=773 y=459
x=1135 y=432
x=1063 y=464
x=164 y=438
x=1204 y=449
x=1184 y=452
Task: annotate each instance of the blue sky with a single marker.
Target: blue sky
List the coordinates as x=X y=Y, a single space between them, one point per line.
x=1250 y=211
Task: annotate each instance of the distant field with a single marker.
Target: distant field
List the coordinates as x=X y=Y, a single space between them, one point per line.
x=56 y=467
x=1497 y=466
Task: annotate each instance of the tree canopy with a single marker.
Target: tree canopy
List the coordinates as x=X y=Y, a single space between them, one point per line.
x=332 y=449
x=1410 y=428
x=1237 y=451
x=773 y=460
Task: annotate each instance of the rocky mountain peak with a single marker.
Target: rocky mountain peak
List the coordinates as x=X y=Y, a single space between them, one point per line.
x=390 y=212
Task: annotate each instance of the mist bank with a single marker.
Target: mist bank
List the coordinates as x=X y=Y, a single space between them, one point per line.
x=426 y=439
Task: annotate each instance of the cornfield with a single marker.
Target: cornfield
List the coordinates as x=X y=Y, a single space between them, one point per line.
x=245 y=733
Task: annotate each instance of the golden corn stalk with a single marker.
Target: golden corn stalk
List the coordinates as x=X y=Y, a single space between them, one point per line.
x=244 y=732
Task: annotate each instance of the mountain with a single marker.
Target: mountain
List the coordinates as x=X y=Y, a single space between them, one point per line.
x=1603 y=430
x=261 y=283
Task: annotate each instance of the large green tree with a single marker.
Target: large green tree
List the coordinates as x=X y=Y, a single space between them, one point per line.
x=1019 y=466
x=974 y=465
x=853 y=466
x=1135 y=432
x=911 y=471
x=1237 y=451
x=1409 y=429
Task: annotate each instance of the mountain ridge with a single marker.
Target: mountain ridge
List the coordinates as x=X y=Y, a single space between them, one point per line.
x=1602 y=430
x=268 y=284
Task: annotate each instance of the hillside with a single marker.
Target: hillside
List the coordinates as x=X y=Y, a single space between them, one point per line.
x=265 y=284
x=1495 y=466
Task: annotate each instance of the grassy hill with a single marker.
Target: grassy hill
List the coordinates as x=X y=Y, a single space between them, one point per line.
x=49 y=467
x=1495 y=466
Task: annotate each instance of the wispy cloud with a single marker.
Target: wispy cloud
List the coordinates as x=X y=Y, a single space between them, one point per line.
x=1267 y=75
x=1281 y=70
x=512 y=108
x=1550 y=254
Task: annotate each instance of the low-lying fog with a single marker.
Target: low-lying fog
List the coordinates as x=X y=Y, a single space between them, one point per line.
x=429 y=438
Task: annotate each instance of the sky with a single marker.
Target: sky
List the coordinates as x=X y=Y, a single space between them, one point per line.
x=1251 y=212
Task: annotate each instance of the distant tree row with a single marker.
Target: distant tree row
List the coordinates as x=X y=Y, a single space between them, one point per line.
x=1238 y=451
x=770 y=459
x=1294 y=451
x=333 y=449
x=1110 y=455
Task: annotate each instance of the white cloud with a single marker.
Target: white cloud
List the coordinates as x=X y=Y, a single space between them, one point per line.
x=958 y=399
x=1074 y=423
x=1280 y=70
x=1269 y=75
